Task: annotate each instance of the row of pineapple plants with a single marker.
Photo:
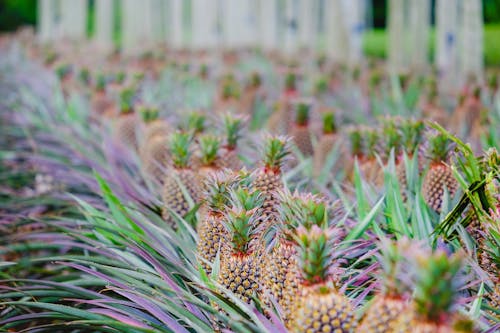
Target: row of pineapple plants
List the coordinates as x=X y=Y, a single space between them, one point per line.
x=253 y=220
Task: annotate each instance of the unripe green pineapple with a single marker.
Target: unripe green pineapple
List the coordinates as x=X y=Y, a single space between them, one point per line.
x=267 y=178
x=434 y=297
x=439 y=176
x=319 y=307
x=211 y=230
x=233 y=126
x=240 y=265
x=326 y=142
x=180 y=181
x=300 y=129
x=126 y=124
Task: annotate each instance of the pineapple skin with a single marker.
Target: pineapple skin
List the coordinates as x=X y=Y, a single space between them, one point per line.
x=276 y=268
x=154 y=156
x=382 y=315
x=267 y=183
x=321 y=151
x=302 y=139
x=173 y=196
x=125 y=128
x=318 y=312
x=158 y=127
x=437 y=178
x=240 y=273
x=211 y=234
x=229 y=159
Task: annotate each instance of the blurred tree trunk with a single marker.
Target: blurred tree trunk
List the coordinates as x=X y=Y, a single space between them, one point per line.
x=204 y=22
x=46 y=20
x=239 y=22
x=354 y=14
x=307 y=24
x=137 y=26
x=290 y=27
x=268 y=18
x=446 y=56
x=74 y=19
x=420 y=20
x=176 y=28
x=104 y=22
x=396 y=39
x=472 y=41
x=336 y=35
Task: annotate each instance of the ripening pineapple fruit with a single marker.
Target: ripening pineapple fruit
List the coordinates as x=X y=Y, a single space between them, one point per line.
x=100 y=102
x=319 y=306
x=439 y=175
x=126 y=123
x=233 y=126
x=239 y=269
x=180 y=181
x=195 y=123
x=267 y=178
x=300 y=129
x=387 y=305
x=368 y=163
x=432 y=309
x=211 y=230
x=280 y=267
x=229 y=99
x=154 y=126
x=156 y=158
x=251 y=93
x=326 y=142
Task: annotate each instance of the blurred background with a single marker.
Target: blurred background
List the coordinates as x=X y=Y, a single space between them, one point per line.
x=17 y=13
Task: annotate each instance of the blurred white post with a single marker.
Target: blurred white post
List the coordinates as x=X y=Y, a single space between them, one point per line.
x=396 y=35
x=74 y=19
x=290 y=26
x=158 y=20
x=420 y=20
x=104 y=22
x=204 y=22
x=472 y=39
x=446 y=55
x=268 y=22
x=307 y=23
x=239 y=23
x=354 y=14
x=176 y=16
x=336 y=34
x=137 y=28
x=46 y=20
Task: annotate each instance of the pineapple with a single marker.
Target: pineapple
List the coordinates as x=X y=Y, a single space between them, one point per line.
x=267 y=178
x=178 y=176
x=439 y=175
x=251 y=93
x=384 y=310
x=100 y=102
x=156 y=157
x=280 y=266
x=211 y=231
x=434 y=297
x=326 y=143
x=229 y=99
x=126 y=123
x=411 y=135
x=195 y=123
x=300 y=129
x=319 y=306
x=229 y=155
x=154 y=126
x=240 y=264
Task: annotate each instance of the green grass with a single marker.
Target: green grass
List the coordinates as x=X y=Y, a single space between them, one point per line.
x=375 y=42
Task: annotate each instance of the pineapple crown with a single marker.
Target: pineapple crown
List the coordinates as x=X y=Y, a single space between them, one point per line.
x=233 y=126
x=120 y=77
x=436 y=284
x=180 y=149
x=196 y=122
x=393 y=136
x=302 y=113
x=303 y=209
x=329 y=123
x=412 y=133
x=126 y=99
x=356 y=141
x=369 y=142
x=84 y=75
x=439 y=147
x=231 y=89
x=395 y=267
x=321 y=85
x=203 y=70
x=375 y=79
x=217 y=190
x=148 y=113
x=255 y=80
x=315 y=254
x=241 y=219
x=276 y=149
x=100 y=82
x=209 y=148
x=63 y=70
x=291 y=81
